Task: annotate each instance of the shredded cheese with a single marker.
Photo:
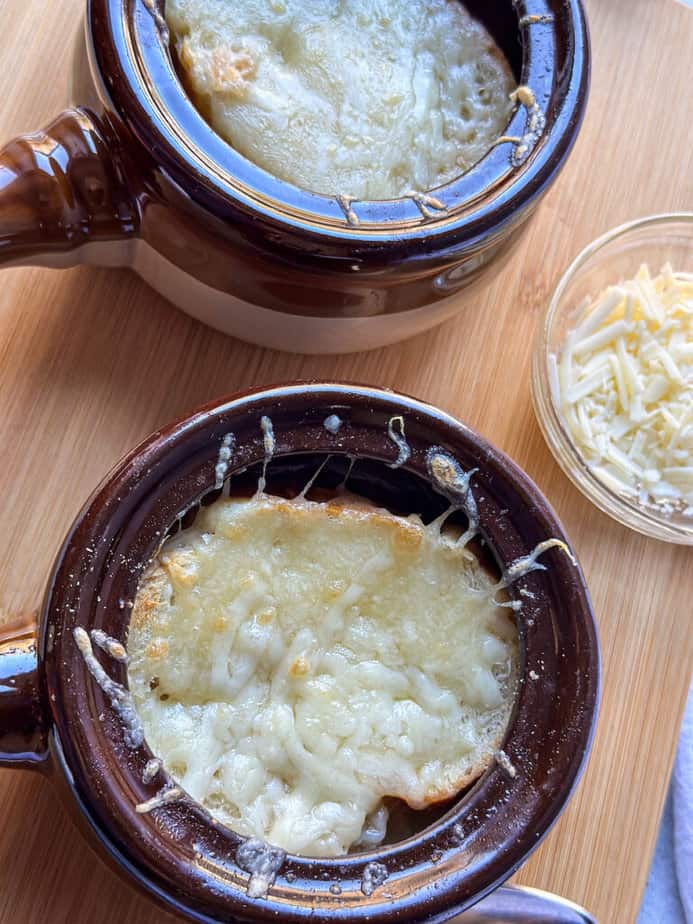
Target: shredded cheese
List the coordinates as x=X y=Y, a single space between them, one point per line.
x=623 y=382
x=294 y=663
x=370 y=99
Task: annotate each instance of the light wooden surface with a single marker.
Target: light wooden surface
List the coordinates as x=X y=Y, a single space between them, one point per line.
x=92 y=360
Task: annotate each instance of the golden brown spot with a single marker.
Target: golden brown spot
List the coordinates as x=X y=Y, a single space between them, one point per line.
x=156 y=649
x=220 y=624
x=150 y=596
x=117 y=651
x=525 y=96
x=148 y=603
x=407 y=536
x=300 y=667
x=443 y=470
x=334 y=590
x=384 y=521
x=266 y=617
x=231 y=70
x=181 y=567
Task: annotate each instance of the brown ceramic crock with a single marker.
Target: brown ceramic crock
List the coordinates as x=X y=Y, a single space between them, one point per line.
x=135 y=177
x=55 y=718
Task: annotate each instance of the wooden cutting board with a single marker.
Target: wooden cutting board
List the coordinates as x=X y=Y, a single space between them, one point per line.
x=91 y=361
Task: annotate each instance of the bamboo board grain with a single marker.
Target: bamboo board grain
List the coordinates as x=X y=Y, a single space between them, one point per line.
x=92 y=360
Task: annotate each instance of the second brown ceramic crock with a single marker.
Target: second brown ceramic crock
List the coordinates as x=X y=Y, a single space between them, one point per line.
x=135 y=177
x=54 y=717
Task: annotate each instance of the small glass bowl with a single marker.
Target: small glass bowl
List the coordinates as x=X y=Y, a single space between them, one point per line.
x=615 y=256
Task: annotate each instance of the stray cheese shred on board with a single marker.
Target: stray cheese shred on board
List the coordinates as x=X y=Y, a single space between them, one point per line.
x=623 y=381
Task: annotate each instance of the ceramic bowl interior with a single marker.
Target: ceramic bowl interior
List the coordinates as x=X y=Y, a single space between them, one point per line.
x=618 y=255
x=548 y=50
x=444 y=861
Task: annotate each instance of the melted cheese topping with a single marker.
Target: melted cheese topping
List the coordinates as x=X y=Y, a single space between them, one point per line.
x=624 y=384
x=369 y=99
x=295 y=662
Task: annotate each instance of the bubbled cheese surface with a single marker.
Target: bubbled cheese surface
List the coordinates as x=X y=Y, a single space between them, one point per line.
x=365 y=98
x=293 y=663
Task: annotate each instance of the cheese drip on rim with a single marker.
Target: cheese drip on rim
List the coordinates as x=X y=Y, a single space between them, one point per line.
x=294 y=663
x=367 y=99
x=624 y=384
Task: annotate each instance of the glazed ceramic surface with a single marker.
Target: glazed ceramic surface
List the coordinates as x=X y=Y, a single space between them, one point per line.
x=60 y=720
x=135 y=177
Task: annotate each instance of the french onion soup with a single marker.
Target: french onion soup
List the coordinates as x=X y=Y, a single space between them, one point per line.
x=367 y=99
x=301 y=667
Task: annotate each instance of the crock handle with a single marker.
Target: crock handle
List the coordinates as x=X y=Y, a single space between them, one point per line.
x=23 y=735
x=61 y=188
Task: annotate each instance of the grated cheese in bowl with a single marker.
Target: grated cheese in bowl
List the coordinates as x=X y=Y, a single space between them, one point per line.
x=623 y=384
